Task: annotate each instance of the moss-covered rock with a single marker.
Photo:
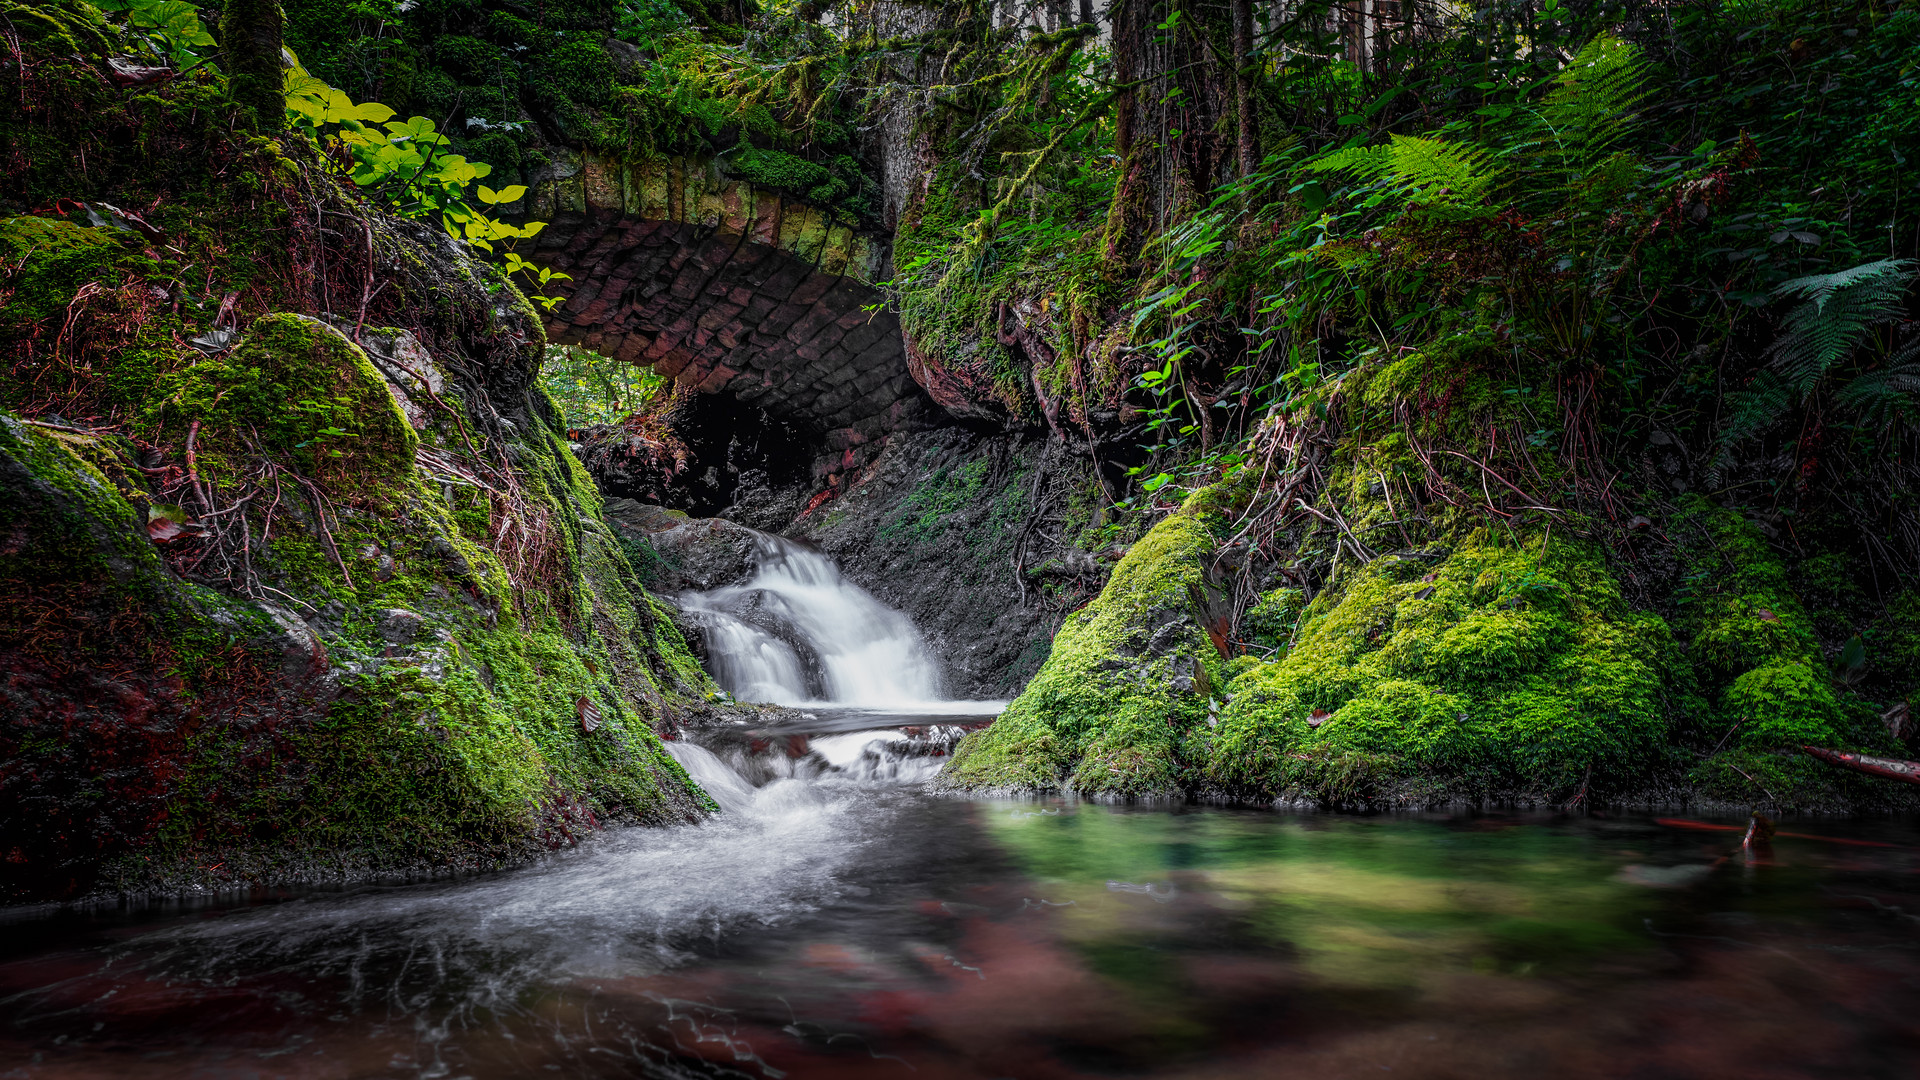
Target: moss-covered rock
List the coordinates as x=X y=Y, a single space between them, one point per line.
x=1896 y=643
x=1128 y=679
x=1765 y=682
x=309 y=393
x=333 y=597
x=1499 y=667
x=66 y=27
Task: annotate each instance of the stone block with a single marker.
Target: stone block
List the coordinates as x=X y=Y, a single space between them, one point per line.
x=717 y=379
x=632 y=348
x=812 y=288
x=604 y=184
x=712 y=203
x=786 y=277
x=808 y=327
x=768 y=210
x=866 y=260
x=736 y=204
x=672 y=362
x=793 y=222
x=836 y=250
x=811 y=244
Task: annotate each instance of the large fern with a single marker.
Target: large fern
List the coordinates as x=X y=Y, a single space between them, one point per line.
x=1887 y=394
x=1749 y=412
x=1837 y=312
x=1427 y=170
x=1577 y=128
x=1593 y=106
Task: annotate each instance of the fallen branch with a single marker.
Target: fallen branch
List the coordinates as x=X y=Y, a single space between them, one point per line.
x=1890 y=768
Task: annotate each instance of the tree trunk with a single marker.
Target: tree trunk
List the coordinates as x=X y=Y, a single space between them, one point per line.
x=251 y=40
x=1129 y=194
x=1247 y=144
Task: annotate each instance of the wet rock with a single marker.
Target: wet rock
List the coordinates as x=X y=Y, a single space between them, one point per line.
x=414 y=380
x=397 y=626
x=761 y=504
x=328 y=619
x=301 y=648
x=936 y=525
x=706 y=553
x=642 y=519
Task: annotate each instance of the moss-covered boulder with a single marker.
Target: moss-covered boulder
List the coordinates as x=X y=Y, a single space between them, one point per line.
x=394 y=695
x=1129 y=677
x=1498 y=667
x=302 y=390
x=1765 y=685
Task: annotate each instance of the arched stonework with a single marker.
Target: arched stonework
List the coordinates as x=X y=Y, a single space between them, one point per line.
x=732 y=288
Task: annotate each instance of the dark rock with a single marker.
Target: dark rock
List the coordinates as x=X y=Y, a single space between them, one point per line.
x=932 y=522
x=398 y=626
x=642 y=519
x=706 y=553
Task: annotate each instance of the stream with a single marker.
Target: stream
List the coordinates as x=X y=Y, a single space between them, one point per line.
x=836 y=921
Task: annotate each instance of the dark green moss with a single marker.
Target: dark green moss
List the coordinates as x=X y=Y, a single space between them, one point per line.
x=786 y=172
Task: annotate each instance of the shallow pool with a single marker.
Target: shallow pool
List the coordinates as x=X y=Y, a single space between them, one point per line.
x=837 y=922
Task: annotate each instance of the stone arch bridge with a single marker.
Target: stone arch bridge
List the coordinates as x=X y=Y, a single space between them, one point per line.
x=730 y=287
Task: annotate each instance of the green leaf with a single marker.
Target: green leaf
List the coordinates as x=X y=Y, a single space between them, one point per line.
x=511 y=193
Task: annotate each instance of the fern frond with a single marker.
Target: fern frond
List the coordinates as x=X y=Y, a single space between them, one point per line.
x=1595 y=102
x=1754 y=410
x=1890 y=394
x=1819 y=288
x=1426 y=169
x=1835 y=315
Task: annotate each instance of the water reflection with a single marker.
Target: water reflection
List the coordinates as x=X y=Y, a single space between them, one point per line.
x=837 y=923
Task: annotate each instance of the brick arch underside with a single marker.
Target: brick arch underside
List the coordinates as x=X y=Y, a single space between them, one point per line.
x=713 y=308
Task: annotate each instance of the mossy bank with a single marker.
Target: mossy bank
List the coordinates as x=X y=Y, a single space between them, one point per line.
x=302 y=580
x=1488 y=666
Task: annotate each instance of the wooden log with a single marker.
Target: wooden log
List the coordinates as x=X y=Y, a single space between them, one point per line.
x=1891 y=768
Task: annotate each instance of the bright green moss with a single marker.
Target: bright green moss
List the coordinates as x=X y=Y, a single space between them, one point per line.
x=54 y=258
x=1785 y=703
x=784 y=171
x=1505 y=666
x=1750 y=638
x=1127 y=677
x=308 y=392
x=60 y=28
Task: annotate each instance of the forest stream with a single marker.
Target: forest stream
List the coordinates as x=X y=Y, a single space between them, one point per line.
x=833 y=920
x=975 y=539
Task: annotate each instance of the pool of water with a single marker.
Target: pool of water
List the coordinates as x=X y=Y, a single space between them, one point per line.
x=836 y=921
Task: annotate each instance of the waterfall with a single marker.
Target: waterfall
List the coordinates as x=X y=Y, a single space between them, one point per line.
x=798 y=633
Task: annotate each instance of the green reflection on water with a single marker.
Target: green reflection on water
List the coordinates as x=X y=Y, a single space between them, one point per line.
x=1380 y=903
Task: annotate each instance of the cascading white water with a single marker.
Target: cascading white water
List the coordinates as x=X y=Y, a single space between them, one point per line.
x=857 y=650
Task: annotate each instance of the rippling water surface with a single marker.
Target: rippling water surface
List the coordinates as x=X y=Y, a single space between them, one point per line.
x=836 y=922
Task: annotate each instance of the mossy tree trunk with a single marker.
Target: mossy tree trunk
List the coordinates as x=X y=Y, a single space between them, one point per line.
x=1169 y=121
x=252 y=34
x=1247 y=142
